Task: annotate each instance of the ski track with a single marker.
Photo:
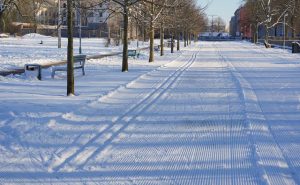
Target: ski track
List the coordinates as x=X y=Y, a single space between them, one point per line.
x=260 y=129
x=124 y=120
x=199 y=119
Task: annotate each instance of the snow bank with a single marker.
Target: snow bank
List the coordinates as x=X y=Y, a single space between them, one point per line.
x=3 y=35
x=36 y=36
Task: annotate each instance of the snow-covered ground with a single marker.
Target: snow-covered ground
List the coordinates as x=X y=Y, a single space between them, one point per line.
x=215 y=113
x=16 y=52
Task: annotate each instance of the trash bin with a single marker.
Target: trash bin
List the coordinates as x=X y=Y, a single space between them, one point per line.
x=295 y=47
x=33 y=70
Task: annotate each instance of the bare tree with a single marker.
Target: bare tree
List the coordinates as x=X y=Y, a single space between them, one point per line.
x=7 y=6
x=270 y=13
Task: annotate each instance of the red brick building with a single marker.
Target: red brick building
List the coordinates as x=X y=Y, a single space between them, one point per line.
x=245 y=26
x=239 y=25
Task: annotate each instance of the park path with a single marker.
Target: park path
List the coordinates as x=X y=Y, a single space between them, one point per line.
x=221 y=113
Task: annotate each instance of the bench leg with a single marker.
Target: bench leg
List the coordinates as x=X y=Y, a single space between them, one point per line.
x=53 y=73
x=83 y=72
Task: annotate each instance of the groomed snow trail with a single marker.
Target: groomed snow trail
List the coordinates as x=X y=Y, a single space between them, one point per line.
x=266 y=85
x=221 y=113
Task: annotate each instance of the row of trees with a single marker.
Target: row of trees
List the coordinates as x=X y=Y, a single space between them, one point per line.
x=10 y=9
x=271 y=13
x=180 y=19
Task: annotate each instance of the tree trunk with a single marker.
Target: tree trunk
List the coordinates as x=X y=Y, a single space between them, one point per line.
x=59 y=25
x=131 y=30
x=144 y=33
x=125 y=40
x=293 y=25
x=137 y=33
x=151 y=35
x=2 y=23
x=162 y=36
x=108 y=34
x=172 y=43
x=187 y=38
x=35 y=23
x=178 y=41
x=254 y=35
x=70 y=64
x=267 y=35
x=184 y=38
x=257 y=34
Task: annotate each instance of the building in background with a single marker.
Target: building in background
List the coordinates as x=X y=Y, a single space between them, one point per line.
x=92 y=19
x=44 y=19
x=233 y=26
x=239 y=24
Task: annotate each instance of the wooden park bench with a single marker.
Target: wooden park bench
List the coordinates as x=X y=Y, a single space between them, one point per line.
x=133 y=53
x=169 y=43
x=79 y=63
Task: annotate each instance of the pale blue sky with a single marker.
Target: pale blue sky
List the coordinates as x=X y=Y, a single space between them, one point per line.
x=222 y=8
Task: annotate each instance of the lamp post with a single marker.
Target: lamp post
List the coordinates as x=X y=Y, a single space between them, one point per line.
x=257 y=36
x=284 y=30
x=137 y=33
x=79 y=27
x=212 y=24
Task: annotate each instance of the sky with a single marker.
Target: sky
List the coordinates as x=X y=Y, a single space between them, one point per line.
x=223 y=8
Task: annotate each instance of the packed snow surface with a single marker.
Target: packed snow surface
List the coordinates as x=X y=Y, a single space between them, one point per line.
x=214 y=113
x=15 y=52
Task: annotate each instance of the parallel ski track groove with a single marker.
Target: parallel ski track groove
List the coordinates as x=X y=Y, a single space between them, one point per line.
x=266 y=177
x=140 y=108
x=253 y=149
x=290 y=165
x=171 y=79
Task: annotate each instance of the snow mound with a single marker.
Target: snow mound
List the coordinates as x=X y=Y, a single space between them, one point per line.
x=3 y=35
x=36 y=36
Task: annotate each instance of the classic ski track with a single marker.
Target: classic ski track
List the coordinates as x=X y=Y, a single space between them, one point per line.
x=56 y=154
x=265 y=177
x=225 y=69
x=241 y=96
x=141 y=107
x=133 y=111
x=286 y=158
